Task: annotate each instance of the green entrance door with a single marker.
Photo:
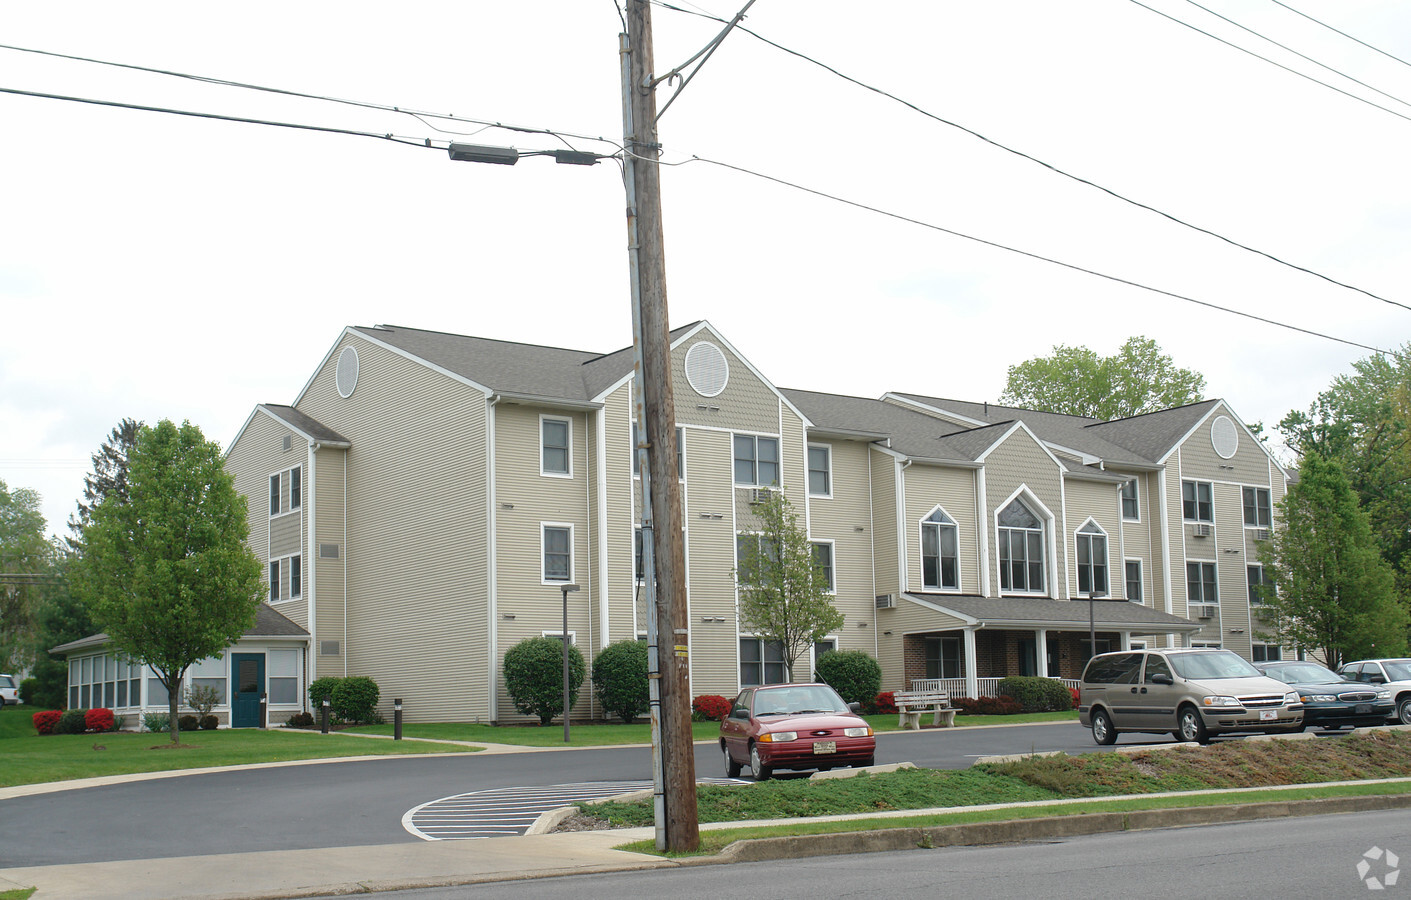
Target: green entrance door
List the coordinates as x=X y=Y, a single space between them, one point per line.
x=247 y=672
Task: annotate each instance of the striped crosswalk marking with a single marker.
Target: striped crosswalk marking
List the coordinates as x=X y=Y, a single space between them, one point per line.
x=506 y=812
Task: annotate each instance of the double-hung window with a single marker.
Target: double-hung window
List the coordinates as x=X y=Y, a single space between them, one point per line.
x=1021 y=549
x=823 y=561
x=274 y=494
x=1131 y=510
x=296 y=576
x=1092 y=560
x=756 y=460
x=1134 y=579
x=1200 y=583
x=1196 y=501
x=1258 y=513
x=555 y=446
x=296 y=488
x=558 y=553
x=940 y=557
x=1260 y=586
x=820 y=471
x=274 y=581
x=753 y=555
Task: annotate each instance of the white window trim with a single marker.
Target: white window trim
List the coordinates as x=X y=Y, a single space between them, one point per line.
x=283 y=475
x=567 y=420
x=1141 y=573
x=808 y=470
x=1050 y=542
x=285 y=571
x=778 y=462
x=1257 y=604
x=1269 y=493
x=1136 y=645
x=833 y=557
x=291 y=470
x=921 y=548
x=1187 y=581
x=1137 y=491
x=543 y=579
x=554 y=633
x=1211 y=485
x=1106 y=556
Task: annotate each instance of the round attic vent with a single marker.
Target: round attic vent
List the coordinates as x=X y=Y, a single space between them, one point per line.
x=1224 y=437
x=346 y=378
x=707 y=369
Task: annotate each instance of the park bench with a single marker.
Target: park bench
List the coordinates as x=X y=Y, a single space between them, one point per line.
x=911 y=705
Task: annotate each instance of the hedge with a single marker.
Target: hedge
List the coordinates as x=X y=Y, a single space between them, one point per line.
x=1035 y=694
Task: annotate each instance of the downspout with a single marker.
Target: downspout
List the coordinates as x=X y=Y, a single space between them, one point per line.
x=1121 y=546
x=872 y=541
x=492 y=613
x=603 y=554
x=1165 y=554
x=310 y=501
x=902 y=540
x=983 y=517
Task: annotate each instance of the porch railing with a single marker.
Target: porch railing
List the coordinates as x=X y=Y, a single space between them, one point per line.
x=988 y=687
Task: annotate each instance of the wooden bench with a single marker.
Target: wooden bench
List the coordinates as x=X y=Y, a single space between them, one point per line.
x=912 y=704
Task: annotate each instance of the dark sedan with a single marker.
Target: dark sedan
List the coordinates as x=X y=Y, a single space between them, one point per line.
x=1329 y=701
x=793 y=726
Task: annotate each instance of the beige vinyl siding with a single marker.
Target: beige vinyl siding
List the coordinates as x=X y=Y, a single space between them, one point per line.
x=328 y=580
x=1138 y=539
x=954 y=490
x=1178 y=537
x=846 y=520
x=416 y=537
x=1021 y=462
x=884 y=522
x=1098 y=501
x=710 y=556
x=528 y=501
x=258 y=454
x=1249 y=465
x=746 y=404
x=1231 y=628
x=907 y=618
x=793 y=460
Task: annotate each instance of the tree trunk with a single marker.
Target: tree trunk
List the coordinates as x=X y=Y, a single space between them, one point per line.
x=173 y=727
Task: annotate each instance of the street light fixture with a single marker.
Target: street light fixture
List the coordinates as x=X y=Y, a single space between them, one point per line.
x=567 y=589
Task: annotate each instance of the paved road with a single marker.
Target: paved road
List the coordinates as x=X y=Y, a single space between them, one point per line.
x=1317 y=856
x=363 y=803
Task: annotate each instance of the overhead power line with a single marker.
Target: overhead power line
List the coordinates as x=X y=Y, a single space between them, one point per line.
x=1052 y=168
x=1343 y=33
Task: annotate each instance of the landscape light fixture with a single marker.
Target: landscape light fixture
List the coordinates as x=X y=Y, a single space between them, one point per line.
x=567 y=589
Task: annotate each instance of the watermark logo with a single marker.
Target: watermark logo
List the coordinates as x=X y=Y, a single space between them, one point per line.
x=1386 y=864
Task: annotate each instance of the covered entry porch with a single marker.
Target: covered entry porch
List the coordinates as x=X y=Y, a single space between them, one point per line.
x=977 y=641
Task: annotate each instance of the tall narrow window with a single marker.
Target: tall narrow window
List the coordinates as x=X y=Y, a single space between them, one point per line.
x=274 y=495
x=1196 y=504
x=1258 y=513
x=296 y=576
x=820 y=471
x=1200 y=583
x=274 y=581
x=823 y=560
x=1260 y=586
x=1131 y=511
x=554 y=448
x=756 y=460
x=558 y=553
x=1021 y=549
x=940 y=568
x=1134 y=580
x=296 y=488
x=1092 y=560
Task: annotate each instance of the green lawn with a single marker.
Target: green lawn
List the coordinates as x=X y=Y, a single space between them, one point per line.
x=27 y=758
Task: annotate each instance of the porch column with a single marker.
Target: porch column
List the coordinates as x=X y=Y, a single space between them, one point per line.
x=972 y=676
x=1126 y=640
x=1041 y=651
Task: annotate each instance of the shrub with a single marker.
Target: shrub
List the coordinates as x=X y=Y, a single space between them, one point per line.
x=44 y=722
x=620 y=677
x=355 y=699
x=1034 y=694
x=301 y=720
x=209 y=723
x=320 y=688
x=854 y=674
x=156 y=722
x=187 y=723
x=533 y=672
x=99 y=719
x=29 y=691
x=987 y=706
x=1077 y=697
x=202 y=698
x=710 y=708
x=883 y=704
x=72 y=722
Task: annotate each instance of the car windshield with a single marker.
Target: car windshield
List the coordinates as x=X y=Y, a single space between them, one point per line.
x=791 y=701
x=1215 y=664
x=1302 y=673
x=1398 y=670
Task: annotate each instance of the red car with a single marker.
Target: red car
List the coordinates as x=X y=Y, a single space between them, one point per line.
x=794 y=726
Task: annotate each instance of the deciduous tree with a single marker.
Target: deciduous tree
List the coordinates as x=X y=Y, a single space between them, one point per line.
x=1138 y=379
x=165 y=571
x=26 y=568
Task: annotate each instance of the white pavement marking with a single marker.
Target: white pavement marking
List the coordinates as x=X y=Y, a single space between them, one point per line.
x=510 y=811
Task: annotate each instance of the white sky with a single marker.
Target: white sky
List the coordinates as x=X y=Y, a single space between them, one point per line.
x=156 y=266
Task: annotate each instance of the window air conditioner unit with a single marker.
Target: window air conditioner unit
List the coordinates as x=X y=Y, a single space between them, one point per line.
x=760 y=495
x=1261 y=534
x=886 y=601
x=1203 y=610
x=1202 y=529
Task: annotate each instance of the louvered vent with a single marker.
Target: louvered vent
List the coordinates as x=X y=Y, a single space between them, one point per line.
x=707 y=370
x=328 y=648
x=1224 y=437
x=327 y=551
x=346 y=377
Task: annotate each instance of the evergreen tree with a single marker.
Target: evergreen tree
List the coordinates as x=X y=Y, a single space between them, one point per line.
x=108 y=478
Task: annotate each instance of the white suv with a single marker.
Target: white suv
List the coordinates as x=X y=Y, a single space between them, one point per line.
x=9 y=690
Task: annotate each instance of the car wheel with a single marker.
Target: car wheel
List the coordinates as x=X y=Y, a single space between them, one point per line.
x=1403 y=711
x=732 y=768
x=760 y=770
x=1103 y=732
x=1192 y=726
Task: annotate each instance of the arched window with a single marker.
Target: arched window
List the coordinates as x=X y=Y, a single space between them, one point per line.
x=1092 y=560
x=1021 y=549
x=940 y=557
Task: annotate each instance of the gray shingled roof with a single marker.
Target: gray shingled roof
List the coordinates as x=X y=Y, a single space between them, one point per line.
x=509 y=367
x=269 y=622
x=305 y=423
x=912 y=433
x=1121 y=615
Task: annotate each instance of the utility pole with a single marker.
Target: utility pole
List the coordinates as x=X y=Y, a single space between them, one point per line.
x=674 y=767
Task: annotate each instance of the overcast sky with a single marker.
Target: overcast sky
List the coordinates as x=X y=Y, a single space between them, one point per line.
x=157 y=266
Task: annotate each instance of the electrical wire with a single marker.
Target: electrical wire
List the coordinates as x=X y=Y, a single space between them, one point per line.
x=1052 y=168
x=1026 y=253
x=1343 y=33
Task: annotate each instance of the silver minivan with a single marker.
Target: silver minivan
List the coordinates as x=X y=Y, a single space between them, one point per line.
x=1190 y=694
